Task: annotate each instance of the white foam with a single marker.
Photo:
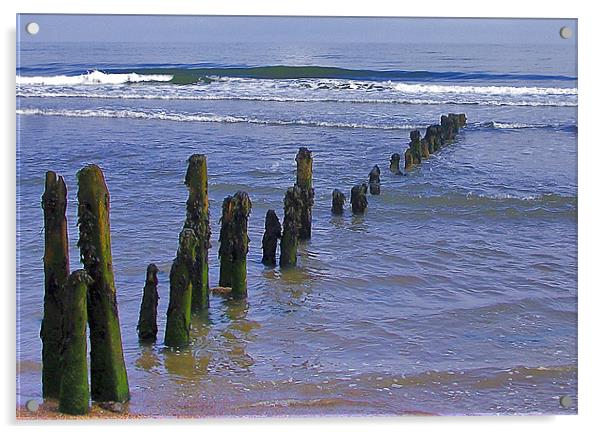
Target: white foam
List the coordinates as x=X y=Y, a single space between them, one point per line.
x=483 y=90
x=91 y=78
x=204 y=117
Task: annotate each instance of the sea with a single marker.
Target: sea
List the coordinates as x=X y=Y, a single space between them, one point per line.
x=454 y=294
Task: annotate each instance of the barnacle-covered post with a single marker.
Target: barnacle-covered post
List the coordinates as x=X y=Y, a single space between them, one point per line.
x=374 y=180
x=197 y=219
x=290 y=230
x=338 y=202
x=181 y=281
x=269 y=243
x=234 y=243
x=304 y=182
x=74 y=391
x=107 y=366
x=56 y=271
x=358 y=198
x=394 y=164
x=147 y=321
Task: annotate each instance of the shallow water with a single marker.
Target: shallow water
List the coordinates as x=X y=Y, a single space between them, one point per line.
x=454 y=294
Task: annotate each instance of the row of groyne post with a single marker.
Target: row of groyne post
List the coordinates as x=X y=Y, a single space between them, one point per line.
x=83 y=301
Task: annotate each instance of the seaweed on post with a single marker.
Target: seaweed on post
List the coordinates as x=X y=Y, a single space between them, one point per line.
x=197 y=219
x=234 y=243
x=304 y=182
x=107 y=366
x=271 y=235
x=56 y=271
x=293 y=204
x=74 y=389
x=147 y=321
x=181 y=281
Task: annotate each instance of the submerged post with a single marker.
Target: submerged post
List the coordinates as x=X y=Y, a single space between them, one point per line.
x=147 y=321
x=338 y=202
x=394 y=164
x=197 y=219
x=234 y=243
x=75 y=392
x=273 y=231
x=304 y=182
x=290 y=231
x=413 y=154
x=358 y=198
x=374 y=180
x=56 y=271
x=108 y=375
x=177 y=329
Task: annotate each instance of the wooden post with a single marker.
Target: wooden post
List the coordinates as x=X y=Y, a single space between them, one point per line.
x=394 y=164
x=74 y=391
x=304 y=182
x=197 y=219
x=108 y=375
x=273 y=231
x=234 y=243
x=147 y=321
x=338 y=202
x=374 y=180
x=181 y=281
x=56 y=271
x=358 y=198
x=290 y=231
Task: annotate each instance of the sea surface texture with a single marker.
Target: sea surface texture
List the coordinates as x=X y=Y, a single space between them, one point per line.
x=455 y=293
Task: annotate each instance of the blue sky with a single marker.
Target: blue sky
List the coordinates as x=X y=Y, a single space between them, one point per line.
x=123 y=28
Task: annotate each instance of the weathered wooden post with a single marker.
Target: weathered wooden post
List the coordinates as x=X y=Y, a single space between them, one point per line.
x=408 y=160
x=147 y=321
x=108 y=375
x=269 y=243
x=415 y=146
x=430 y=137
x=197 y=219
x=56 y=271
x=358 y=198
x=181 y=281
x=374 y=180
x=234 y=243
x=74 y=391
x=338 y=202
x=290 y=231
x=447 y=129
x=424 y=148
x=304 y=182
x=462 y=119
x=394 y=164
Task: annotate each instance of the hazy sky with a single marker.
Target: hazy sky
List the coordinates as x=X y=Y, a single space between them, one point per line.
x=123 y=28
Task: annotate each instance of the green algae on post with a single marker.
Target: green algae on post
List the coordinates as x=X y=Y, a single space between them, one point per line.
x=56 y=271
x=107 y=366
x=177 y=329
x=197 y=219
x=234 y=243
x=358 y=198
x=374 y=180
x=147 y=322
x=290 y=232
x=338 y=202
x=269 y=242
x=74 y=391
x=304 y=182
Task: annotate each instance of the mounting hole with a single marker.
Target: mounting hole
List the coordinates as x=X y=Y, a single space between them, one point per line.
x=32 y=405
x=566 y=401
x=566 y=32
x=32 y=28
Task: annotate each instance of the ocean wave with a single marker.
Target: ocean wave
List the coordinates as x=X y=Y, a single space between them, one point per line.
x=520 y=126
x=206 y=117
x=41 y=93
x=92 y=78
